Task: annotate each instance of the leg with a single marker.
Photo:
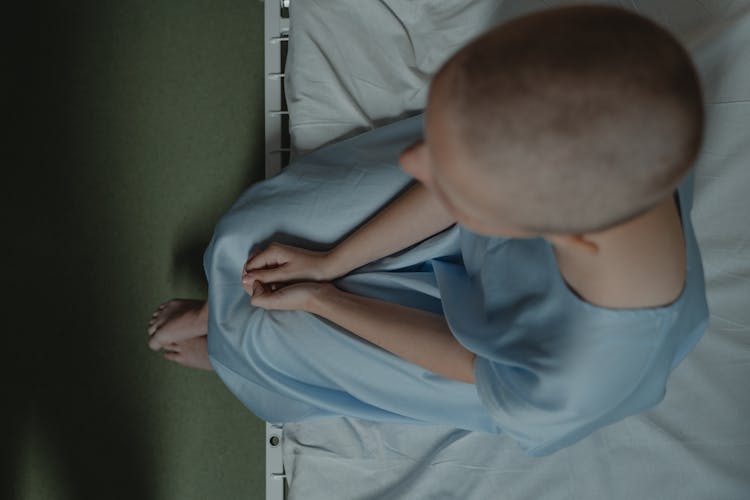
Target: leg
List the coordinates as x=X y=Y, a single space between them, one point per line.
x=292 y=365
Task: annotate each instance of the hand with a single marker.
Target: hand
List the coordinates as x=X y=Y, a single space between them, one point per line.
x=279 y=263
x=294 y=297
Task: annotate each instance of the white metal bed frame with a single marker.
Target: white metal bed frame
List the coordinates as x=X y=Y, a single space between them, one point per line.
x=276 y=35
x=277 y=155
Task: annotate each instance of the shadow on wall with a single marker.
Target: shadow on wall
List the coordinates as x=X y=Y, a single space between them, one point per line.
x=78 y=398
x=78 y=386
x=75 y=396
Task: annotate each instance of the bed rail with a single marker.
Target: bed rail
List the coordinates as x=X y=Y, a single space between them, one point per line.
x=276 y=37
x=275 y=474
x=277 y=156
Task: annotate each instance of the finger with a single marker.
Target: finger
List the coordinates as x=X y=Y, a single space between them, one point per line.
x=258 y=258
x=250 y=288
x=260 y=294
x=259 y=302
x=276 y=275
x=273 y=256
x=249 y=259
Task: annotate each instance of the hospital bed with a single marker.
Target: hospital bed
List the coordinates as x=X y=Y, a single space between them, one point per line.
x=336 y=68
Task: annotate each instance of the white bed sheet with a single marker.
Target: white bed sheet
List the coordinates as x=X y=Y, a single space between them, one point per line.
x=353 y=69
x=353 y=66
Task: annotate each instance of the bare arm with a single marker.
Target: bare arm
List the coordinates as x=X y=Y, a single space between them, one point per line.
x=418 y=336
x=412 y=217
x=409 y=219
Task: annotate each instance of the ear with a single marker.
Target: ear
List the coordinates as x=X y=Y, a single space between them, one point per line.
x=573 y=242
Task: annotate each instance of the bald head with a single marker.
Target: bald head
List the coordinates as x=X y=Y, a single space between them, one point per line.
x=576 y=118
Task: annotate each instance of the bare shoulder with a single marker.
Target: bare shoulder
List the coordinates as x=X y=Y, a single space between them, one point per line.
x=655 y=270
x=643 y=266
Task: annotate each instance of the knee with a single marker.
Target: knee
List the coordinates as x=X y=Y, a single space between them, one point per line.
x=228 y=250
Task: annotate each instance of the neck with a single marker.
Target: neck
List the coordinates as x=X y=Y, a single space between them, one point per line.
x=637 y=264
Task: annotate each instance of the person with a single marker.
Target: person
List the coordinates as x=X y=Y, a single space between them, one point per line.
x=531 y=268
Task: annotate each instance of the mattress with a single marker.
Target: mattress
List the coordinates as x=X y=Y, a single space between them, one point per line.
x=350 y=70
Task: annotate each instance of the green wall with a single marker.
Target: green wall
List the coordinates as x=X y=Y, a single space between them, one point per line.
x=148 y=125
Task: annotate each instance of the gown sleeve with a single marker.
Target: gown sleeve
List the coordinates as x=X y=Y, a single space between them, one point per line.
x=548 y=377
x=547 y=402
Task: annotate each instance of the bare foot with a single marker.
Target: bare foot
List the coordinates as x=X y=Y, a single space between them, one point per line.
x=192 y=353
x=177 y=321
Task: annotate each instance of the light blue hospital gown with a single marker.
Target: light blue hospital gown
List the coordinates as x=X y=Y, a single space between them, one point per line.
x=550 y=368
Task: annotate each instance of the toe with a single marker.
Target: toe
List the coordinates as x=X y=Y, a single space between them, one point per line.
x=159 y=321
x=159 y=339
x=151 y=322
x=154 y=344
x=163 y=339
x=172 y=356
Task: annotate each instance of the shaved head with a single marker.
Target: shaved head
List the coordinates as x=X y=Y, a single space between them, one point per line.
x=570 y=120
